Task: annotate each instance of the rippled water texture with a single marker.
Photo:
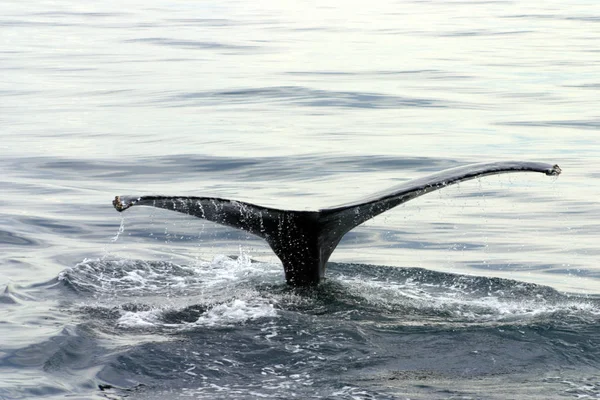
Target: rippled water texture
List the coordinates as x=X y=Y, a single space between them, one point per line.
x=489 y=289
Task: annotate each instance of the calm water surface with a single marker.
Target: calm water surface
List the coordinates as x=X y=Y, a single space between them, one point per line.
x=489 y=289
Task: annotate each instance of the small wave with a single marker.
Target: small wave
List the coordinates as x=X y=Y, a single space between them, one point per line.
x=13 y=295
x=7 y=296
x=167 y=296
x=425 y=297
x=234 y=312
x=304 y=96
x=150 y=278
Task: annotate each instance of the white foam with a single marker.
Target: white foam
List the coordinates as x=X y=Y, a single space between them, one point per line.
x=223 y=270
x=138 y=277
x=461 y=305
x=139 y=319
x=235 y=312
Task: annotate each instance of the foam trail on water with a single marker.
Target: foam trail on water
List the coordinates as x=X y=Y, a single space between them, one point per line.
x=231 y=313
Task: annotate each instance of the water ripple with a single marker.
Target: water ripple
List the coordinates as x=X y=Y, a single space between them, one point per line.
x=191 y=44
x=302 y=96
x=591 y=124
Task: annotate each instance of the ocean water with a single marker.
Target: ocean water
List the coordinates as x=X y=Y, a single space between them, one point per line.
x=489 y=289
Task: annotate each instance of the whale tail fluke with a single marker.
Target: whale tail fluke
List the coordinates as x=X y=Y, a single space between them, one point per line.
x=304 y=240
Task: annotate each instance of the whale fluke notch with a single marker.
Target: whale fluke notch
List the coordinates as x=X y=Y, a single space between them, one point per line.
x=304 y=240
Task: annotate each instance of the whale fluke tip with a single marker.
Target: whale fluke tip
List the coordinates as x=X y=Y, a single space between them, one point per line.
x=554 y=171
x=118 y=204
x=122 y=203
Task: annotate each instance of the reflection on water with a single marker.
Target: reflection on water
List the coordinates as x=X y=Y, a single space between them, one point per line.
x=300 y=106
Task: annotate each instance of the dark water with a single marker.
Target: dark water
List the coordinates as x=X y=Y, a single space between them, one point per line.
x=485 y=290
x=231 y=329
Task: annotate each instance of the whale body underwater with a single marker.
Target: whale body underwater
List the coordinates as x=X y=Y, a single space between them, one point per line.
x=304 y=240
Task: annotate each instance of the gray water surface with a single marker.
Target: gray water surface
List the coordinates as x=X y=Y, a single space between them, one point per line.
x=488 y=289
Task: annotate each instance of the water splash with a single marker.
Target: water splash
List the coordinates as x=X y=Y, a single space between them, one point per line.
x=120 y=231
